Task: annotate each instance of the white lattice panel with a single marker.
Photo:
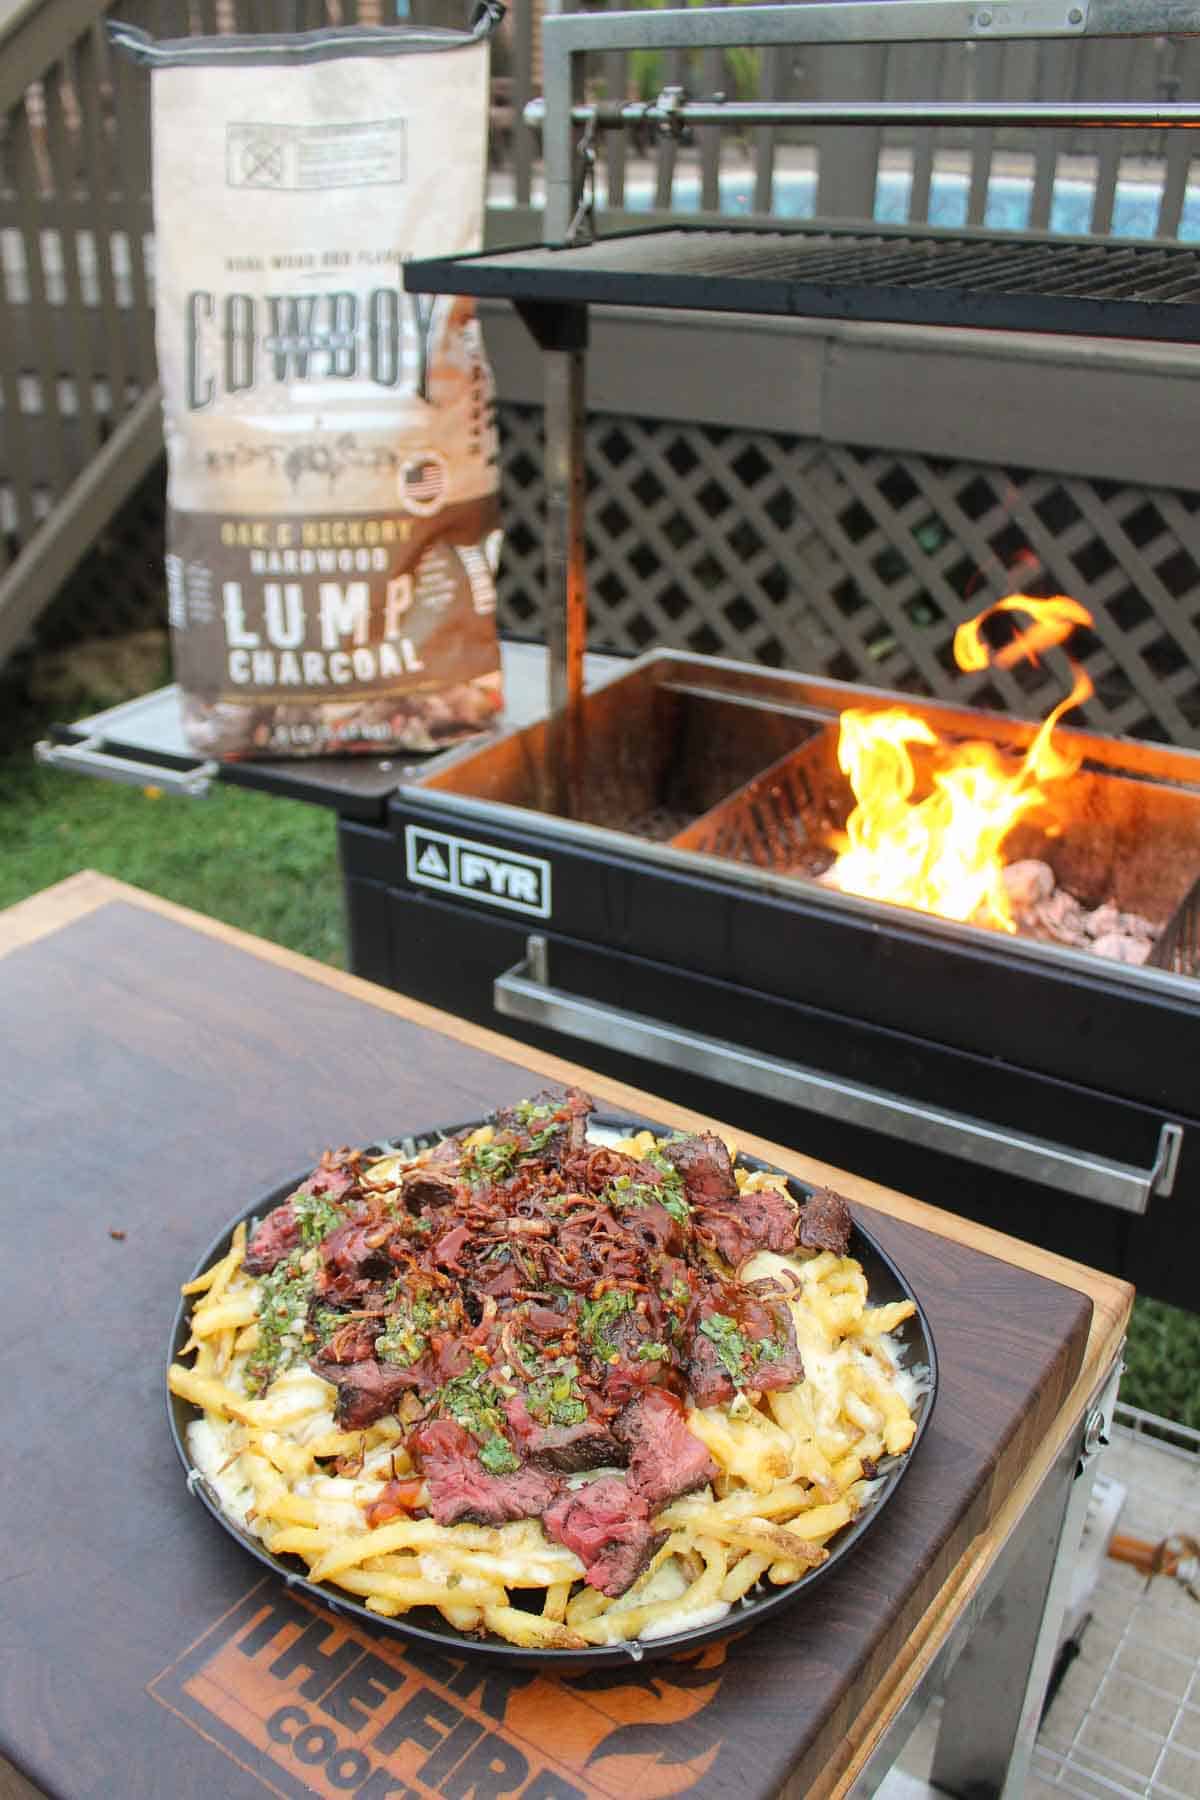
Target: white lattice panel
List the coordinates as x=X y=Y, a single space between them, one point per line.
x=861 y=564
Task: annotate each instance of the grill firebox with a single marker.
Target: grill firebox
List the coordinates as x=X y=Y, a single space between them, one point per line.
x=747 y=773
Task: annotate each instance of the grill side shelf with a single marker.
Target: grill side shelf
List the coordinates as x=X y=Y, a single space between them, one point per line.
x=1119 y=288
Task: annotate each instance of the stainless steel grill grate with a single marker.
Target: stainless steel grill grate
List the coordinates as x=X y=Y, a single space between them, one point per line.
x=1111 y=288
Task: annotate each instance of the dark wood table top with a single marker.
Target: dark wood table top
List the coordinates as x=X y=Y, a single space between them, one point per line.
x=162 y=1070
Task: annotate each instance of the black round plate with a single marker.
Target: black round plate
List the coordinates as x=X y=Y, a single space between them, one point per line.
x=424 y=1624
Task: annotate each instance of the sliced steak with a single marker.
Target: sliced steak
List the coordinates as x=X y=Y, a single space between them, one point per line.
x=708 y=1380
x=825 y=1222
x=352 y=1342
x=782 y=1367
x=705 y=1165
x=276 y=1237
x=754 y=1346
x=460 y=1488
x=608 y=1527
x=350 y=1251
x=425 y=1188
x=365 y=1390
x=565 y=1448
x=331 y=1177
x=665 y=1460
x=765 y=1220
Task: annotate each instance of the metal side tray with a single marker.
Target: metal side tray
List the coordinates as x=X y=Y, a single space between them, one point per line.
x=141 y=743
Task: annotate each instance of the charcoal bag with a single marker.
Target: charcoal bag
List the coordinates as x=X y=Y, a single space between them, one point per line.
x=333 y=523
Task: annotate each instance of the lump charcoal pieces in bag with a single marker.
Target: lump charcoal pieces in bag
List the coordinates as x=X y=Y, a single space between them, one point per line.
x=332 y=474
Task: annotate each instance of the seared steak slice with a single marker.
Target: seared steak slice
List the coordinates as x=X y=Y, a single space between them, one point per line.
x=825 y=1222
x=763 y=1220
x=666 y=1460
x=708 y=1380
x=349 y=1251
x=608 y=1527
x=426 y=1188
x=331 y=1177
x=460 y=1488
x=365 y=1390
x=276 y=1237
x=742 y=1341
x=565 y=1448
x=706 y=1168
x=782 y=1366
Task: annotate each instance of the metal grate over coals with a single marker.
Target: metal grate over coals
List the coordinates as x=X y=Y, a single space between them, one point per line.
x=1113 y=288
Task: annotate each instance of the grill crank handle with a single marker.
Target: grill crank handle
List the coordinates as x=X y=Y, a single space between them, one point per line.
x=524 y=992
x=89 y=757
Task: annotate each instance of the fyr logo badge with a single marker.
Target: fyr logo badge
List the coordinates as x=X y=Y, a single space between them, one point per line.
x=463 y=866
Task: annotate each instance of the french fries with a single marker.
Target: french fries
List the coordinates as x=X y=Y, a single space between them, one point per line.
x=796 y=1465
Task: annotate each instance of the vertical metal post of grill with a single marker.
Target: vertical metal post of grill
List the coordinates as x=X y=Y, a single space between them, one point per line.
x=856 y=24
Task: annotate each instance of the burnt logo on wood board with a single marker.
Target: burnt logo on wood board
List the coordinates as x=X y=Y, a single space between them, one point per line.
x=312 y=1704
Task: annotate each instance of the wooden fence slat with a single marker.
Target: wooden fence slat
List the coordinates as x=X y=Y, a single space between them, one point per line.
x=43 y=360
x=1178 y=165
x=848 y=160
x=664 y=178
x=1045 y=162
x=1104 y=190
x=522 y=91
x=87 y=88
x=14 y=436
x=15 y=471
x=771 y=88
x=615 y=65
x=173 y=21
x=65 y=156
x=710 y=136
x=131 y=126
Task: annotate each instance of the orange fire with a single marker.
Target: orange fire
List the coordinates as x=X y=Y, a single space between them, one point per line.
x=942 y=853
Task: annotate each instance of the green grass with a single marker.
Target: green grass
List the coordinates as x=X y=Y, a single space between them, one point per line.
x=1162 y=1362
x=267 y=865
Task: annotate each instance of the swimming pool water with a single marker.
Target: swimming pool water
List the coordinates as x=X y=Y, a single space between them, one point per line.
x=1135 y=204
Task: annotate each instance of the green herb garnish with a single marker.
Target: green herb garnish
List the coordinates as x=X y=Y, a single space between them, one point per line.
x=625 y=1192
x=498 y=1457
x=477 y=1405
x=597 y=1317
x=531 y=1112
x=732 y=1347
x=556 y=1398
x=283 y=1298
x=653 y=1352
x=315 y=1215
x=405 y=1336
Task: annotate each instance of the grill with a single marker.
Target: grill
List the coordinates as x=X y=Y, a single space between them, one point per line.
x=899 y=277
x=664 y=840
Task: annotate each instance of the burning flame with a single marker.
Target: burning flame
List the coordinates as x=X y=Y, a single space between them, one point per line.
x=941 y=854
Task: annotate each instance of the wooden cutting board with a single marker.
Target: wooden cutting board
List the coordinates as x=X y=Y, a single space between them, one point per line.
x=169 y=1071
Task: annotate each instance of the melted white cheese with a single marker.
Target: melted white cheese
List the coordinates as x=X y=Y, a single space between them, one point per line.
x=211 y=1449
x=684 y=1621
